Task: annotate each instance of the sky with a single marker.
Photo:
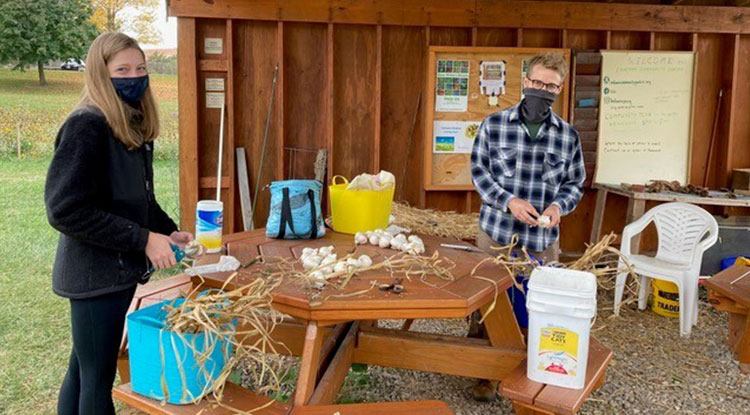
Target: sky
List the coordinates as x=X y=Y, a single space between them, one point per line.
x=167 y=27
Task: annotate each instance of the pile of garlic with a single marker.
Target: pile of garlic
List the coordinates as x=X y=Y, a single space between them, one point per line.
x=324 y=263
x=412 y=245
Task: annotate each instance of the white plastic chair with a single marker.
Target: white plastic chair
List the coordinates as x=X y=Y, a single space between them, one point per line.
x=685 y=231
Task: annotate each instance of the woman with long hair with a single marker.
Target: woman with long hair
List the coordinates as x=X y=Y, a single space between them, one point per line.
x=99 y=194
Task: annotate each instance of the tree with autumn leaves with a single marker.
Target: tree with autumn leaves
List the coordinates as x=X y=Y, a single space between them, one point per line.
x=136 y=17
x=34 y=32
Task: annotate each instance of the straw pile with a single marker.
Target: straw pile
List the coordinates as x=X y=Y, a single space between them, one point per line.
x=600 y=259
x=243 y=318
x=437 y=223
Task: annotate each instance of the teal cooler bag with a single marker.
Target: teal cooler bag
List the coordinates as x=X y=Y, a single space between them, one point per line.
x=163 y=364
x=295 y=210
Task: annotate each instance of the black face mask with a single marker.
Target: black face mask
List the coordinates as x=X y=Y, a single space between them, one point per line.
x=131 y=90
x=536 y=104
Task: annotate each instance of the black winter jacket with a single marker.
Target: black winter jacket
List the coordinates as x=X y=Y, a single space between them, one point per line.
x=100 y=196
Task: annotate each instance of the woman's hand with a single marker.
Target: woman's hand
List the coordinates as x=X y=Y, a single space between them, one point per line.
x=181 y=238
x=159 y=251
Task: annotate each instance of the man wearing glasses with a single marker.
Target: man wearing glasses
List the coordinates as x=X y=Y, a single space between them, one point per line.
x=526 y=160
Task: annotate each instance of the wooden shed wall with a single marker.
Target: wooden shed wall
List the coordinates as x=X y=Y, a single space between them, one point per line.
x=352 y=80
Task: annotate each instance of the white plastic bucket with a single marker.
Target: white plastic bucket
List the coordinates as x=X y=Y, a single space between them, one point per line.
x=209 y=219
x=561 y=304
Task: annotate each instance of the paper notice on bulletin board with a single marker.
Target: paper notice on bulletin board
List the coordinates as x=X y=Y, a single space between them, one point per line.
x=454 y=136
x=644 y=117
x=452 y=86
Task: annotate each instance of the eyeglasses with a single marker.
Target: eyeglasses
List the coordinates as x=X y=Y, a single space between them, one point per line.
x=537 y=84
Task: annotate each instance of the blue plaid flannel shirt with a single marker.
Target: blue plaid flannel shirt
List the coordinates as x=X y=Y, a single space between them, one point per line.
x=506 y=163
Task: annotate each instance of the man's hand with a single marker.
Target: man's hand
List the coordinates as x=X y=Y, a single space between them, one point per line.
x=553 y=211
x=524 y=211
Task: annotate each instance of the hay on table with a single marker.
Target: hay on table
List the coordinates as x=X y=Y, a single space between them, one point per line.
x=436 y=223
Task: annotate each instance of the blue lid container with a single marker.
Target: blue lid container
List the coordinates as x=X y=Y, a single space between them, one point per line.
x=164 y=365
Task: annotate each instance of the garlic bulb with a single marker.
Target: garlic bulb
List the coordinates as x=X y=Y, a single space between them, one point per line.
x=401 y=238
x=310 y=262
x=327 y=270
x=330 y=259
x=384 y=242
x=414 y=238
x=396 y=244
x=364 y=261
x=325 y=251
x=412 y=248
x=340 y=266
x=353 y=262
x=318 y=276
x=360 y=238
x=543 y=221
x=374 y=240
x=307 y=251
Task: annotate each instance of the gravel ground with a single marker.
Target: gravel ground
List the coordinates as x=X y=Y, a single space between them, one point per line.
x=654 y=371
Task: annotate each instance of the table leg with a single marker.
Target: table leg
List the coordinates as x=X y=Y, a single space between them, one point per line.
x=743 y=348
x=309 y=364
x=501 y=325
x=596 y=227
x=330 y=383
x=407 y=324
x=636 y=208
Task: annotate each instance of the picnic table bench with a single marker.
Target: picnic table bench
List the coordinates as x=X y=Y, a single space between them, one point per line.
x=534 y=398
x=729 y=291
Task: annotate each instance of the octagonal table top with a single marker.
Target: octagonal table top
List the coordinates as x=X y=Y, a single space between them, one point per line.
x=432 y=297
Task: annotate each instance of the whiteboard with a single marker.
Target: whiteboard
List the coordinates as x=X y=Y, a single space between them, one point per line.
x=644 y=117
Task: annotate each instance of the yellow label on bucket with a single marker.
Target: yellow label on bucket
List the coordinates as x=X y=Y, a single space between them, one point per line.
x=558 y=350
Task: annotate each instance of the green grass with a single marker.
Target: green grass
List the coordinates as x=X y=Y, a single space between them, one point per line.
x=34 y=322
x=40 y=110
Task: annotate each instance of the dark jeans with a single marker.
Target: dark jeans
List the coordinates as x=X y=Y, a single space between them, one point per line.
x=97 y=325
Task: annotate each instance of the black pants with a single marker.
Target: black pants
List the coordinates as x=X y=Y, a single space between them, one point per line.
x=97 y=325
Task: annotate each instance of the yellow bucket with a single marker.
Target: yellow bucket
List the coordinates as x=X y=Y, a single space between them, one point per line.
x=355 y=211
x=666 y=298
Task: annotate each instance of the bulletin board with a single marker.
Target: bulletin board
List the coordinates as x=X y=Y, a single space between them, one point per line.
x=645 y=117
x=461 y=82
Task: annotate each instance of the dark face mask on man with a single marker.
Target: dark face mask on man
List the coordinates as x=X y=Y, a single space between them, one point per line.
x=536 y=104
x=131 y=90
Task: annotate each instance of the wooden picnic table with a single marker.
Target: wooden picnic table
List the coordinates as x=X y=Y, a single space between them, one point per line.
x=729 y=291
x=332 y=334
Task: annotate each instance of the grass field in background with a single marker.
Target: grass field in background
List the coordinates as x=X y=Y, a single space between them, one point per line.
x=34 y=322
x=40 y=110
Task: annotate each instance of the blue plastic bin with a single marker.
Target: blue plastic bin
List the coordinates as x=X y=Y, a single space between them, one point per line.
x=518 y=299
x=155 y=352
